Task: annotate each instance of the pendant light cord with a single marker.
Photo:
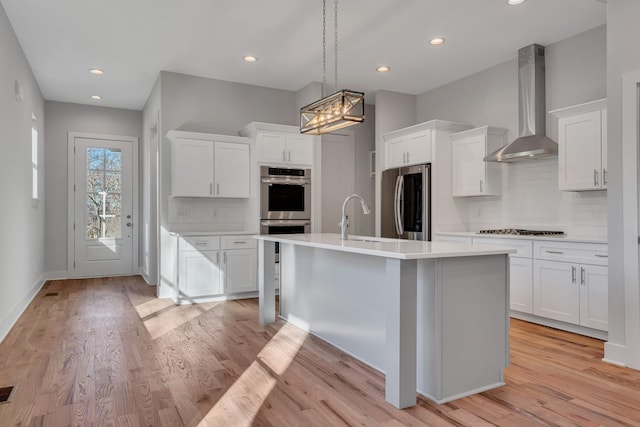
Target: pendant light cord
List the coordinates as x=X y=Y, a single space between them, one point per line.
x=335 y=47
x=324 y=48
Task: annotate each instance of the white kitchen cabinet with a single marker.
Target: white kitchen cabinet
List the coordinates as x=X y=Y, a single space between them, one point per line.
x=239 y=264
x=211 y=266
x=582 y=147
x=280 y=144
x=520 y=271
x=204 y=165
x=199 y=267
x=571 y=283
x=410 y=149
x=471 y=175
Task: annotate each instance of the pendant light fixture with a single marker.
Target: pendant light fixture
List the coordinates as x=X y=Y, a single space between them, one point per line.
x=339 y=110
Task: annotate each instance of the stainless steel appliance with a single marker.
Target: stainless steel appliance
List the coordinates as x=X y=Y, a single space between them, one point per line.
x=410 y=216
x=523 y=232
x=285 y=226
x=285 y=193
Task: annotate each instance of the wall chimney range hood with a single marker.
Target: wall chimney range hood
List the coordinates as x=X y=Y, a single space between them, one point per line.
x=532 y=144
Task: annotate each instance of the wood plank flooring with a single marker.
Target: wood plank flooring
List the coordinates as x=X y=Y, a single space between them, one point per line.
x=107 y=352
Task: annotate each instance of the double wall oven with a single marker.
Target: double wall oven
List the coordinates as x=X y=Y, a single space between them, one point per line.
x=285 y=200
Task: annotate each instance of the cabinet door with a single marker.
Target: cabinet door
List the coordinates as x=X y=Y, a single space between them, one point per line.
x=419 y=148
x=395 y=152
x=299 y=149
x=594 y=297
x=199 y=273
x=521 y=284
x=240 y=270
x=579 y=152
x=192 y=168
x=232 y=170
x=556 y=291
x=271 y=147
x=468 y=166
x=603 y=149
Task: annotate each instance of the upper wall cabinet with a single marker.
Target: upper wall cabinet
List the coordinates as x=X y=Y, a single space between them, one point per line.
x=205 y=165
x=415 y=144
x=280 y=144
x=582 y=146
x=471 y=175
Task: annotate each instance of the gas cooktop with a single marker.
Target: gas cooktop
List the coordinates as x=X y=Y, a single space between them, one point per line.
x=521 y=232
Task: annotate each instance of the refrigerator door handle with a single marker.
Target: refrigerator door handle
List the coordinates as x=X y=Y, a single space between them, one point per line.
x=400 y=206
x=396 y=205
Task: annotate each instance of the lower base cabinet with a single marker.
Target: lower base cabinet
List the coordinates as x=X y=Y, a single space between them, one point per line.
x=210 y=266
x=521 y=284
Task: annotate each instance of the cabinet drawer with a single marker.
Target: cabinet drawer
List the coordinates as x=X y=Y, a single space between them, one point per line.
x=584 y=253
x=199 y=243
x=239 y=242
x=524 y=247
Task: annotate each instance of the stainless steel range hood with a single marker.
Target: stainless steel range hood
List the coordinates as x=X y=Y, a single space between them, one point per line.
x=532 y=144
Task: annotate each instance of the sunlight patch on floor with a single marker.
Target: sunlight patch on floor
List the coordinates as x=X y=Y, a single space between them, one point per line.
x=242 y=401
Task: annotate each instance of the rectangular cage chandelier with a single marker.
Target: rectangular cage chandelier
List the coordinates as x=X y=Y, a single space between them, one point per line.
x=333 y=112
x=339 y=110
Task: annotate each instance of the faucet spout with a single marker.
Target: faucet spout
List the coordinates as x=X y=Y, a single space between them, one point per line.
x=344 y=223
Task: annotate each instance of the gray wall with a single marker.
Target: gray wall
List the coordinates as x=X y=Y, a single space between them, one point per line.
x=62 y=118
x=365 y=142
x=21 y=219
x=575 y=73
x=623 y=56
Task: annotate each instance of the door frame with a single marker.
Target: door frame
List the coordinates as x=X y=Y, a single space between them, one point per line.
x=71 y=137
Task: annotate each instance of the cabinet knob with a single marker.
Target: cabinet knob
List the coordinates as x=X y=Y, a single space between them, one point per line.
x=595 y=177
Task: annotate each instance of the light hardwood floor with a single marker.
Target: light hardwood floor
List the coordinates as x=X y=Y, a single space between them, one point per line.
x=107 y=352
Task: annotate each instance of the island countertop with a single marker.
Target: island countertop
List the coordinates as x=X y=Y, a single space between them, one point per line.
x=386 y=248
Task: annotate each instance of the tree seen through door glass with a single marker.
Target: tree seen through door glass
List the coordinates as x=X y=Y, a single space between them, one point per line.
x=103 y=193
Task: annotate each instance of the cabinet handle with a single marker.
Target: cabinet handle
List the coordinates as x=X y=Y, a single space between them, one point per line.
x=481 y=186
x=582 y=275
x=604 y=177
x=595 y=178
x=602 y=256
x=408 y=157
x=217 y=257
x=240 y=242
x=200 y=243
x=573 y=274
x=555 y=252
x=284 y=158
x=289 y=156
x=224 y=257
x=211 y=188
x=217 y=188
x=404 y=157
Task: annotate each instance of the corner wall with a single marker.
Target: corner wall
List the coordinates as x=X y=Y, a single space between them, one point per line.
x=22 y=260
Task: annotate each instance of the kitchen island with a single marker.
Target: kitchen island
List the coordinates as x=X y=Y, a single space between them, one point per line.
x=432 y=316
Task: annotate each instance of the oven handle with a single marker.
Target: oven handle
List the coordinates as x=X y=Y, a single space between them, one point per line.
x=285 y=181
x=285 y=222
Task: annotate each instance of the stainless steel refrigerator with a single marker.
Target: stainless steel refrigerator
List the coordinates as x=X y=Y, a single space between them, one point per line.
x=406 y=203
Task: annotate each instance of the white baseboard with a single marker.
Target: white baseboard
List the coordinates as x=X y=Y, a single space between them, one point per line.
x=615 y=354
x=11 y=319
x=56 y=275
x=576 y=329
x=146 y=276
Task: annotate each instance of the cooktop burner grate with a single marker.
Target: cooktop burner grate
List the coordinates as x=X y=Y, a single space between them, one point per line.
x=522 y=232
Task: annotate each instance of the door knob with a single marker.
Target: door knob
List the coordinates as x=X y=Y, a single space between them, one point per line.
x=128 y=224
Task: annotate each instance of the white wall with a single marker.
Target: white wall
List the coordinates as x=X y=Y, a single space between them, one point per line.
x=575 y=73
x=62 y=118
x=623 y=56
x=21 y=219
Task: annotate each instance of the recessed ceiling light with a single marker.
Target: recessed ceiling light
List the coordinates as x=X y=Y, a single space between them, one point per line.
x=383 y=69
x=97 y=97
x=437 y=41
x=96 y=71
x=250 y=58
x=515 y=2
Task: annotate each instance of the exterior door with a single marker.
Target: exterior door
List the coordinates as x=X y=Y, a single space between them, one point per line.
x=102 y=207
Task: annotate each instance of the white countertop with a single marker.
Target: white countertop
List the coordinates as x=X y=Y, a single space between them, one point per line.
x=568 y=238
x=387 y=248
x=211 y=233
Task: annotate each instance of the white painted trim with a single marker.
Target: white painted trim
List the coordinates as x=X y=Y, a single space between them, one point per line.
x=71 y=196
x=563 y=326
x=56 y=275
x=10 y=319
x=630 y=197
x=461 y=395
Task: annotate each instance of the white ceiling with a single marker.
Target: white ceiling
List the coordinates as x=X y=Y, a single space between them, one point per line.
x=132 y=40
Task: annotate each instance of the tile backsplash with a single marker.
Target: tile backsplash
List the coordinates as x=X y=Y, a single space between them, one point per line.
x=531 y=199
